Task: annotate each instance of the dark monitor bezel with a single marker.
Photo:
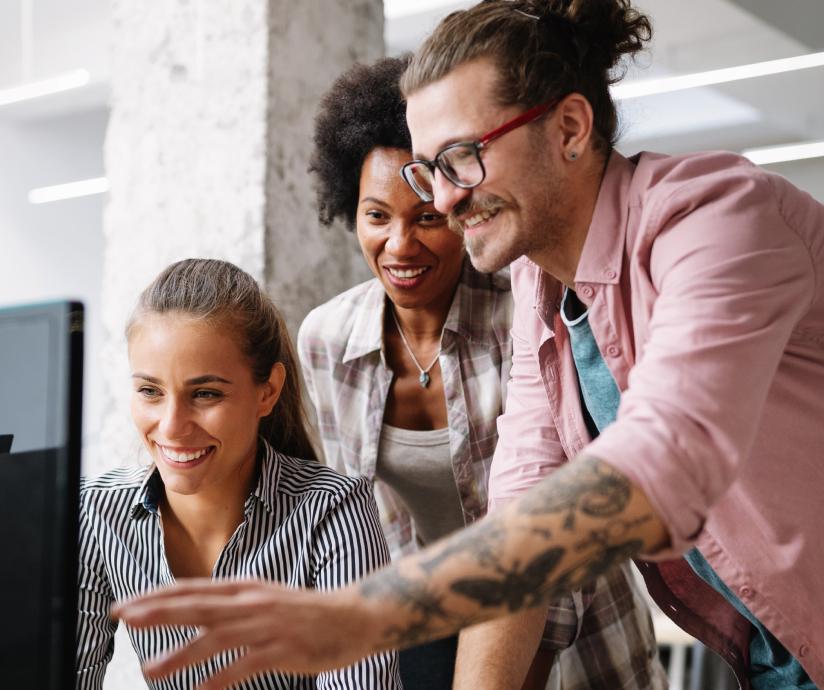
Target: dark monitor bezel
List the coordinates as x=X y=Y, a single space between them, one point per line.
x=56 y=668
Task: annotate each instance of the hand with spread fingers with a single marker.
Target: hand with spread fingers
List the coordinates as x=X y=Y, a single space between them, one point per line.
x=278 y=628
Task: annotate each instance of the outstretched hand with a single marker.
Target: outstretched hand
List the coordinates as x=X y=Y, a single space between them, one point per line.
x=276 y=628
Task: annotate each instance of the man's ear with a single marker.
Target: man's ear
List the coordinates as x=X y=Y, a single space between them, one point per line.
x=575 y=121
x=271 y=389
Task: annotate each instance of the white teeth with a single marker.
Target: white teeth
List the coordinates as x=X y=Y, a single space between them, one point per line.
x=408 y=273
x=183 y=457
x=480 y=217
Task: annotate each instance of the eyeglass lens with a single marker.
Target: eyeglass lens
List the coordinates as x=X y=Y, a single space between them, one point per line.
x=420 y=178
x=460 y=165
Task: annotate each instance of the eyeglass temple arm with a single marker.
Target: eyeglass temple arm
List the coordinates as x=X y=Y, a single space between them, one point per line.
x=532 y=114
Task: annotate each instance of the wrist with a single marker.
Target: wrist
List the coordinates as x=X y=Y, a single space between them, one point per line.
x=364 y=618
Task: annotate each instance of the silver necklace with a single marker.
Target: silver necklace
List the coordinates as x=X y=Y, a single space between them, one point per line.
x=424 y=378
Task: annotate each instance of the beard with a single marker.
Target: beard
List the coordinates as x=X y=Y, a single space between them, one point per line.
x=540 y=220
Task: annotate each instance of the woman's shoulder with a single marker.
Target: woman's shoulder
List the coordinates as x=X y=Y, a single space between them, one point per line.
x=349 y=322
x=334 y=316
x=112 y=492
x=298 y=477
x=118 y=479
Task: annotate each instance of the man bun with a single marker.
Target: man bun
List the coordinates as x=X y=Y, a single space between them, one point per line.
x=607 y=30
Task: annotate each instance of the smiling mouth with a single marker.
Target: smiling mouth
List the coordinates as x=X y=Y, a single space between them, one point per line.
x=183 y=457
x=406 y=273
x=480 y=217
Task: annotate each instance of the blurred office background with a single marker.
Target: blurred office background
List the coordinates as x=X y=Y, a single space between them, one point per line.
x=133 y=134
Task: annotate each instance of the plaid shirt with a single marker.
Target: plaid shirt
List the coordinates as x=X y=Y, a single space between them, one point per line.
x=344 y=364
x=340 y=345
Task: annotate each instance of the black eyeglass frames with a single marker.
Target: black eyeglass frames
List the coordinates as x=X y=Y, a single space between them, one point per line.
x=461 y=163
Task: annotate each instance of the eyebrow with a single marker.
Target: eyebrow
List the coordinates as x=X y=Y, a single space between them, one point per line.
x=375 y=200
x=197 y=381
x=468 y=139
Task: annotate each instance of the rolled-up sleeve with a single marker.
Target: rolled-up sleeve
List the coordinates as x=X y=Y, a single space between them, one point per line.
x=730 y=280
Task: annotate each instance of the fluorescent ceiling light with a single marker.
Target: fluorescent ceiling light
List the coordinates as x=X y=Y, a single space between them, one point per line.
x=45 y=87
x=781 y=154
x=649 y=87
x=681 y=113
x=43 y=195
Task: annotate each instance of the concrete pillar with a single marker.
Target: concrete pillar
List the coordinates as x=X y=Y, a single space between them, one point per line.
x=206 y=155
x=310 y=43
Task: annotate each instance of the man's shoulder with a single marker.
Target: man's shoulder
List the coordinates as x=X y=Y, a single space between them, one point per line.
x=658 y=177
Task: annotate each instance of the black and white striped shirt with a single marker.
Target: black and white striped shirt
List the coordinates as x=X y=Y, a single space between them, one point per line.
x=305 y=526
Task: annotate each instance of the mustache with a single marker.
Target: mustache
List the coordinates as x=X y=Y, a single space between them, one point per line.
x=470 y=206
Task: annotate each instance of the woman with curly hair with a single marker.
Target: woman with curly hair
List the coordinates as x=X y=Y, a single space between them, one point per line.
x=407 y=373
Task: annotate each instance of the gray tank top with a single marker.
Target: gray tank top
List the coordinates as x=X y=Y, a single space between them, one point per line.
x=417 y=465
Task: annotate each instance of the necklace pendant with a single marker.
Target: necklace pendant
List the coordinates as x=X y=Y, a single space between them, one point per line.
x=424 y=379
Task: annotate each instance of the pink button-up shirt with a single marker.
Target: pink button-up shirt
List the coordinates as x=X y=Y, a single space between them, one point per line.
x=704 y=278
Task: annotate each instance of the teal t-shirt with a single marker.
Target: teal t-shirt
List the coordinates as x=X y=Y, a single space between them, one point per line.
x=772 y=667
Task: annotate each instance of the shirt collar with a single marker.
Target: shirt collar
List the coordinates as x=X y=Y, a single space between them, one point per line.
x=147 y=498
x=367 y=330
x=468 y=316
x=268 y=477
x=602 y=256
x=603 y=252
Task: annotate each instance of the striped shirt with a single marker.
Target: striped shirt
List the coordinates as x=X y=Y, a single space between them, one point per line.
x=304 y=526
x=604 y=629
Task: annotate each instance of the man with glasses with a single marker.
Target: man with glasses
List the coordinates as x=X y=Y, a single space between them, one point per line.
x=497 y=654
x=688 y=289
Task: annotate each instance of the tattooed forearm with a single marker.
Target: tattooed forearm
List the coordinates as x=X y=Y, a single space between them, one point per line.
x=613 y=532
x=600 y=562
x=513 y=587
x=416 y=594
x=485 y=551
x=595 y=490
x=574 y=526
x=428 y=615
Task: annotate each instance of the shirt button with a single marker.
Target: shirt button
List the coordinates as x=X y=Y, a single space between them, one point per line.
x=803 y=650
x=587 y=291
x=613 y=350
x=745 y=592
x=610 y=274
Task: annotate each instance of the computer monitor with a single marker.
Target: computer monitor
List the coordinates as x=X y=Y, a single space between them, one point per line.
x=41 y=355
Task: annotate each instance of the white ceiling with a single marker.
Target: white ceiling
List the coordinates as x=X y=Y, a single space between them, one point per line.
x=691 y=37
x=40 y=38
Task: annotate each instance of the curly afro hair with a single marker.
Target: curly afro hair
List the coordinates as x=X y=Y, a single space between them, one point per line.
x=363 y=110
